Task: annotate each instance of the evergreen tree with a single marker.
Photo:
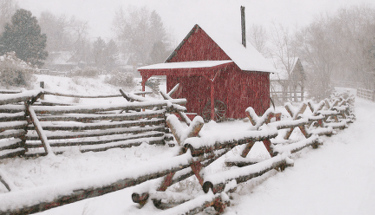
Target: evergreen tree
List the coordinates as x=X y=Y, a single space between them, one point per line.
x=98 y=53
x=23 y=36
x=111 y=51
x=104 y=55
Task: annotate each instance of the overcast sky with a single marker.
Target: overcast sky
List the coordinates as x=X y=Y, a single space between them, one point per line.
x=179 y=16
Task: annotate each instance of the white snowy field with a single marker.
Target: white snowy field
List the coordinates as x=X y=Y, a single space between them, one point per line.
x=336 y=178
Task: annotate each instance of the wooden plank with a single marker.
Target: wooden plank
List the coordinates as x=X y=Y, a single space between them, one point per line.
x=182 y=114
x=4 y=182
x=19 y=97
x=91 y=126
x=39 y=130
x=174 y=89
x=290 y=123
x=6 y=117
x=253 y=136
x=94 y=140
x=11 y=108
x=9 y=153
x=131 y=98
x=66 y=135
x=12 y=125
x=99 y=147
x=113 y=117
x=217 y=182
x=10 y=143
x=313 y=141
x=50 y=103
x=13 y=133
x=196 y=205
x=10 y=91
x=81 y=96
x=123 y=144
x=103 y=108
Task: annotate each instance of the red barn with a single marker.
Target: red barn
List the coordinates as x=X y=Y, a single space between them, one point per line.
x=214 y=67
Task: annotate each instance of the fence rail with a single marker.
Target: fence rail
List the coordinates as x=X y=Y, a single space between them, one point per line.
x=281 y=96
x=366 y=94
x=197 y=151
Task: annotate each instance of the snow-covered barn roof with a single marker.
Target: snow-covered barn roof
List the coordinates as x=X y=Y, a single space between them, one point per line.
x=246 y=58
x=187 y=64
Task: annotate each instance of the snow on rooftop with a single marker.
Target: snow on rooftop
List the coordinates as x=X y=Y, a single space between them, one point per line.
x=247 y=58
x=188 y=64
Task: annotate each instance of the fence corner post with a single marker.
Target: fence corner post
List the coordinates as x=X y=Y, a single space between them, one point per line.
x=41 y=84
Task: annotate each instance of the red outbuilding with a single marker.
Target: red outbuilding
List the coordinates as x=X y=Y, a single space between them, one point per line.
x=215 y=67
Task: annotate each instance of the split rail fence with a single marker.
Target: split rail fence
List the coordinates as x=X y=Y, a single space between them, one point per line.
x=197 y=151
x=30 y=126
x=366 y=94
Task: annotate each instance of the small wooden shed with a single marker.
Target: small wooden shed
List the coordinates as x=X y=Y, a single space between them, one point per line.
x=288 y=85
x=211 y=66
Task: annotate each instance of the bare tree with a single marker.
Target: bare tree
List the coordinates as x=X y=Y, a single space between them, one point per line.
x=56 y=29
x=314 y=46
x=258 y=37
x=78 y=31
x=339 y=48
x=354 y=30
x=283 y=51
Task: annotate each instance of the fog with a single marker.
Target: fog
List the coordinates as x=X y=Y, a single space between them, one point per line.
x=180 y=16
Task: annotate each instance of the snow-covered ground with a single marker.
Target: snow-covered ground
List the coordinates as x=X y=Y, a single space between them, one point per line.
x=337 y=178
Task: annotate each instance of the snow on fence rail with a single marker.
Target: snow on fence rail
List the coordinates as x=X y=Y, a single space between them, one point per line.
x=197 y=151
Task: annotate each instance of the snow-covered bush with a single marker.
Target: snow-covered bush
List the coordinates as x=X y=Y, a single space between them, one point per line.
x=121 y=79
x=15 y=72
x=89 y=72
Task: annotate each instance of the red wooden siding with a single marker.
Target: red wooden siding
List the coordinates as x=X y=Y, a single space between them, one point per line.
x=251 y=89
x=196 y=90
x=197 y=47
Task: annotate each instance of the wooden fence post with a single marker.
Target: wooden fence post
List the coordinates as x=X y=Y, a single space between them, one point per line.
x=41 y=84
x=39 y=130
